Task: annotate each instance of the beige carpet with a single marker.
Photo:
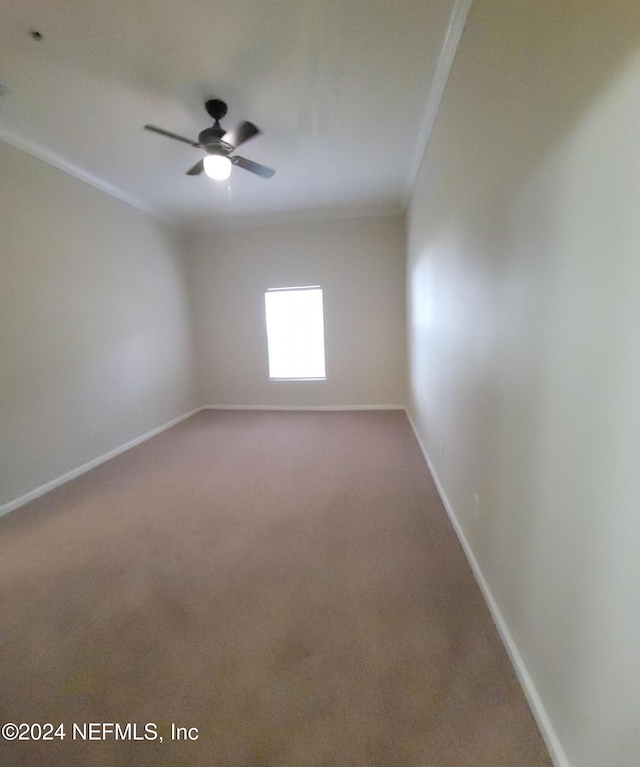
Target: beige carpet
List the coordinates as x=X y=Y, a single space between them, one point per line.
x=287 y=583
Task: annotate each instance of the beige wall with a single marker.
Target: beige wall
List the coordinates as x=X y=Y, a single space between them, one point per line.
x=524 y=339
x=98 y=306
x=94 y=324
x=360 y=266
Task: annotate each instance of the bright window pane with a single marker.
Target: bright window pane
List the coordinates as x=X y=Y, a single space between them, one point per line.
x=295 y=333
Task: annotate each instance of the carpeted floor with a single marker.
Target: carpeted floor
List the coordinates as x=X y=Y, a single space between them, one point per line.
x=286 y=583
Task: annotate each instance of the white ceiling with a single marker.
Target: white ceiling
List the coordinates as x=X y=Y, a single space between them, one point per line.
x=339 y=88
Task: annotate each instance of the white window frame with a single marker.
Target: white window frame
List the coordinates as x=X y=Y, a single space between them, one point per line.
x=314 y=379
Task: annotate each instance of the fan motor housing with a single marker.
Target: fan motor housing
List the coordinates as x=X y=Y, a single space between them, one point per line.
x=211 y=140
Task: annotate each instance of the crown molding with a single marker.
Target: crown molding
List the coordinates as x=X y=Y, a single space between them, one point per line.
x=292 y=217
x=56 y=161
x=457 y=22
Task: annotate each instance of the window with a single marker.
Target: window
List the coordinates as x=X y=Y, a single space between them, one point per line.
x=295 y=333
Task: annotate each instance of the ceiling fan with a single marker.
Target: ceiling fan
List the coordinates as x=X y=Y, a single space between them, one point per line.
x=219 y=145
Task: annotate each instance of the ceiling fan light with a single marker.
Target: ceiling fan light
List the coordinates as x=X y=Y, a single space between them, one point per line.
x=217 y=166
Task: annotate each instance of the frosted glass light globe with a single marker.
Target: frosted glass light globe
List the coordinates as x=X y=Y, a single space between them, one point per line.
x=217 y=167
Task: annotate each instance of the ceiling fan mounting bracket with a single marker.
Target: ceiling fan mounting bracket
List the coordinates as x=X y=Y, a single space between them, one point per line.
x=216 y=109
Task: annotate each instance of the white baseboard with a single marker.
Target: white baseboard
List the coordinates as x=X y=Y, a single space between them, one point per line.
x=303 y=407
x=547 y=730
x=33 y=494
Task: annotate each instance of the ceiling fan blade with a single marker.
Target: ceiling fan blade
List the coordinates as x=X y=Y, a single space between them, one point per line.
x=254 y=167
x=242 y=133
x=197 y=169
x=172 y=135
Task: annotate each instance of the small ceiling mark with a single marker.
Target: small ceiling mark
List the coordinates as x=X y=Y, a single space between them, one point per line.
x=36 y=35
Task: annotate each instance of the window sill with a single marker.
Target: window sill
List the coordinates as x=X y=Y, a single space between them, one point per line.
x=296 y=380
